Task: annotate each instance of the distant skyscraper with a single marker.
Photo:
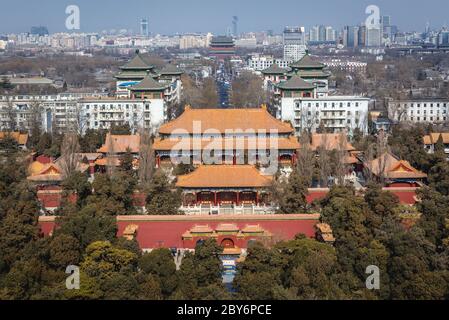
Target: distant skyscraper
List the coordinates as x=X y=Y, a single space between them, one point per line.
x=331 y=35
x=389 y=30
x=228 y=32
x=294 y=43
x=144 y=31
x=235 y=21
x=373 y=37
x=351 y=36
x=386 y=21
x=427 y=30
x=374 y=31
x=321 y=33
x=362 y=36
x=40 y=31
x=443 y=37
x=314 y=34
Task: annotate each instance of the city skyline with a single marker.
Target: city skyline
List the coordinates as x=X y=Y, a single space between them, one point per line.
x=216 y=18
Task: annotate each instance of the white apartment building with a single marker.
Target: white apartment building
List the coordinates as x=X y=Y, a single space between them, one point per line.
x=347 y=65
x=189 y=41
x=294 y=51
x=335 y=113
x=429 y=110
x=294 y=43
x=59 y=113
x=102 y=113
x=55 y=112
x=262 y=62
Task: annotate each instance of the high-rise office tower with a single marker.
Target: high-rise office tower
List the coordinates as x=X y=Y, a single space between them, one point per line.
x=331 y=35
x=314 y=34
x=374 y=31
x=144 y=31
x=373 y=37
x=388 y=29
x=361 y=36
x=294 y=43
x=39 y=30
x=443 y=37
x=386 y=21
x=351 y=36
x=235 y=21
x=321 y=33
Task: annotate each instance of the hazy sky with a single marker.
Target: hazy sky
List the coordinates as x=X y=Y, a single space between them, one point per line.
x=172 y=16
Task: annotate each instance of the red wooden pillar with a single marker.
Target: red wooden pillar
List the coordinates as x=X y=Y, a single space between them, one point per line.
x=234 y=158
x=158 y=161
x=257 y=198
x=238 y=198
x=197 y=197
x=91 y=167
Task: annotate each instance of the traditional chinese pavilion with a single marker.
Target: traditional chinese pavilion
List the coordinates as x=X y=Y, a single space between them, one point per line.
x=304 y=78
x=47 y=178
x=114 y=147
x=145 y=80
x=225 y=189
x=396 y=173
x=232 y=134
x=222 y=46
x=20 y=138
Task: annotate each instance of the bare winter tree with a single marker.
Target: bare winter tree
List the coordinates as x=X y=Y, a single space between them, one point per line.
x=247 y=91
x=110 y=155
x=306 y=158
x=396 y=110
x=35 y=120
x=11 y=114
x=78 y=121
x=69 y=153
x=146 y=157
x=341 y=155
x=308 y=119
x=324 y=163
x=375 y=158
x=382 y=150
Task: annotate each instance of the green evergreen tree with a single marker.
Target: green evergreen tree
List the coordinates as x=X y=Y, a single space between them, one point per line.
x=293 y=198
x=161 y=200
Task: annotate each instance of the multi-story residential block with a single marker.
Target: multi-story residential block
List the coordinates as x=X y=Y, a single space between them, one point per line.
x=102 y=113
x=430 y=110
x=351 y=36
x=333 y=113
x=261 y=62
x=294 y=43
x=143 y=95
x=54 y=113
x=300 y=95
x=346 y=65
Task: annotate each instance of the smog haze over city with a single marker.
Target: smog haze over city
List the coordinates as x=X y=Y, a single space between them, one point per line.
x=180 y=16
x=219 y=159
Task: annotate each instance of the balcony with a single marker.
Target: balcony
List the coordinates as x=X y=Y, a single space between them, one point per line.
x=246 y=209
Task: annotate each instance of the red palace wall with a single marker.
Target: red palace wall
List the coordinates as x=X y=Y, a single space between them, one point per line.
x=167 y=231
x=405 y=193
x=51 y=198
